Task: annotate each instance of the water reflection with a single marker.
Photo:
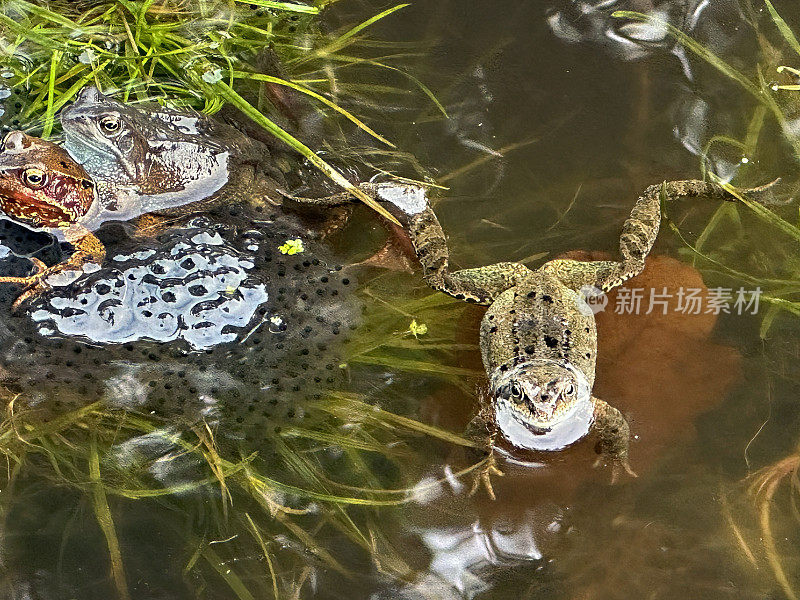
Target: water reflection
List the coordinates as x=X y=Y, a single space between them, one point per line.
x=708 y=117
x=467 y=559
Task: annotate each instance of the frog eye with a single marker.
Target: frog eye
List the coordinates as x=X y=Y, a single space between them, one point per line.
x=569 y=390
x=34 y=178
x=516 y=390
x=110 y=124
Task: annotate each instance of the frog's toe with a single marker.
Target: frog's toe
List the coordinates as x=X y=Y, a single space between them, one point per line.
x=618 y=466
x=33 y=284
x=32 y=291
x=484 y=476
x=40 y=266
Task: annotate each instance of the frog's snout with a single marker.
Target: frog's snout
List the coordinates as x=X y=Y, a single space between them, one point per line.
x=545 y=405
x=541 y=401
x=88 y=95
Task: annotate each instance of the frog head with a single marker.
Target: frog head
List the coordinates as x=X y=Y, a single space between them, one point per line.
x=41 y=186
x=148 y=148
x=542 y=403
x=108 y=137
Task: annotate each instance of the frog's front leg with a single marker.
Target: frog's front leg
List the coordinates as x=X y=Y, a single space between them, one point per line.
x=87 y=249
x=483 y=430
x=613 y=434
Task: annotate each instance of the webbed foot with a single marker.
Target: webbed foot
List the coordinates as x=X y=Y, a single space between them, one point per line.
x=484 y=474
x=613 y=439
x=33 y=284
x=618 y=466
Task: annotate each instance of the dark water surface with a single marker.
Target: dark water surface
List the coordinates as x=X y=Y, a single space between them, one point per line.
x=559 y=116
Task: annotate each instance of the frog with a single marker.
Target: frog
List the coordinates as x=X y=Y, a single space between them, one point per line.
x=538 y=338
x=44 y=189
x=160 y=161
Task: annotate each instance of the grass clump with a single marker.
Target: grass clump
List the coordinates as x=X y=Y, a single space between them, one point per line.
x=199 y=54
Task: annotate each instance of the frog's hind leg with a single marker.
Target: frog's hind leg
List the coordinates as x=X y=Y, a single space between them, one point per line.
x=480 y=285
x=576 y=274
x=410 y=206
x=639 y=233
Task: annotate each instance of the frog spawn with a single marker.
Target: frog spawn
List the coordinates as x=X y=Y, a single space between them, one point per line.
x=208 y=321
x=201 y=292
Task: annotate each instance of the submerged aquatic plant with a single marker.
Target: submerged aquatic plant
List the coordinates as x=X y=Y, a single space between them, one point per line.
x=773 y=493
x=723 y=246
x=300 y=487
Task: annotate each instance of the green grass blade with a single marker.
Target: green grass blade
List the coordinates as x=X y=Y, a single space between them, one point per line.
x=287 y=6
x=265 y=552
x=342 y=405
x=231 y=578
x=341 y=41
x=46 y=14
x=25 y=33
x=760 y=210
x=231 y=96
x=348 y=115
x=783 y=27
x=766 y=323
x=694 y=46
x=418 y=366
x=104 y=519
x=70 y=93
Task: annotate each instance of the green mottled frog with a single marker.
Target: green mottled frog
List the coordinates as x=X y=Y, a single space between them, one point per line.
x=538 y=338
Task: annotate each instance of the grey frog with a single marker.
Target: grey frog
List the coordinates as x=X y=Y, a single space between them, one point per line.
x=164 y=161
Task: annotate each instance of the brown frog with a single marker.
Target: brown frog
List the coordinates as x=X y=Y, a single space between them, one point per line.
x=44 y=189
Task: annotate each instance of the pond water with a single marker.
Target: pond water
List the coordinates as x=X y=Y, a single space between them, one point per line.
x=313 y=449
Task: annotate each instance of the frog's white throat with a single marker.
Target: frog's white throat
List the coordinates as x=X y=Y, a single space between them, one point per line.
x=571 y=426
